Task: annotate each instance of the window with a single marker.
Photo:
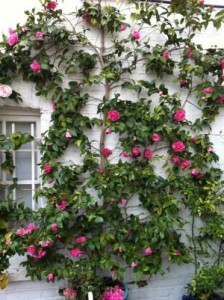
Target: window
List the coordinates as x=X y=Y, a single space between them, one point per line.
x=25 y=159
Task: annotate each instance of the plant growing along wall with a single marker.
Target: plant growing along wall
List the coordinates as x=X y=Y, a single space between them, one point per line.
x=114 y=209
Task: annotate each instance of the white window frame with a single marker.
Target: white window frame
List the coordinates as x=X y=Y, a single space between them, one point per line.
x=24 y=115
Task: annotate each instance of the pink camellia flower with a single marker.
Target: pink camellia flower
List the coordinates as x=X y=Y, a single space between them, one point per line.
x=113 y=115
x=160 y=93
x=208 y=90
x=39 y=34
x=148 y=251
x=51 y=5
x=194 y=172
x=50 y=277
x=183 y=82
x=41 y=253
x=112 y=200
x=5 y=91
x=62 y=206
x=201 y=2
x=68 y=135
x=185 y=164
x=166 y=55
x=76 y=252
x=106 y=152
x=148 y=153
x=155 y=137
x=108 y=131
x=222 y=77
x=190 y=53
x=193 y=140
x=13 y=38
x=175 y=160
x=220 y=99
x=134 y=264
x=123 y=201
x=45 y=244
x=210 y=150
x=35 y=66
x=54 y=104
x=31 y=249
x=124 y=154
x=69 y=292
x=179 y=115
x=222 y=63
x=31 y=227
x=178 y=253
x=54 y=227
x=21 y=231
x=123 y=27
x=81 y=239
x=8 y=242
x=136 y=35
x=178 y=146
x=120 y=250
x=47 y=169
x=135 y=151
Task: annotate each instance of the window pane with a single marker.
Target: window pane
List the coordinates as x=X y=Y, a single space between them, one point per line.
x=1 y=128
x=1 y=160
x=2 y=194
x=23 y=165
x=24 y=195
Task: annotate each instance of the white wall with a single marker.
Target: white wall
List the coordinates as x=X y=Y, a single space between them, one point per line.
x=169 y=287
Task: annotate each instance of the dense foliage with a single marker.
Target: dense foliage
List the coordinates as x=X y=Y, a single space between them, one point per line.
x=120 y=205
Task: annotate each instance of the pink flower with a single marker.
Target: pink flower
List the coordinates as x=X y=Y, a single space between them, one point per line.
x=124 y=154
x=175 y=160
x=68 y=135
x=39 y=34
x=183 y=82
x=76 y=252
x=160 y=93
x=54 y=227
x=50 y=277
x=21 y=231
x=35 y=66
x=201 y=2
x=134 y=264
x=166 y=55
x=178 y=253
x=113 y=115
x=178 y=146
x=5 y=91
x=180 y=115
x=13 y=38
x=123 y=201
x=47 y=169
x=194 y=172
x=190 y=53
x=106 y=152
x=45 y=244
x=135 y=151
x=31 y=227
x=155 y=137
x=148 y=153
x=148 y=251
x=41 y=253
x=54 y=104
x=220 y=99
x=108 y=131
x=8 y=242
x=120 y=250
x=31 y=249
x=208 y=90
x=112 y=200
x=210 y=150
x=51 y=5
x=81 y=239
x=222 y=63
x=185 y=164
x=69 y=292
x=123 y=27
x=62 y=205
x=136 y=35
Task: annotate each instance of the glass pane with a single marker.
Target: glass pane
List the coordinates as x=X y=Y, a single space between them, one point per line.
x=24 y=195
x=2 y=194
x=0 y=127
x=23 y=165
x=24 y=127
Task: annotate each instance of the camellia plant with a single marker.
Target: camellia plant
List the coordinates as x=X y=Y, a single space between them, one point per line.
x=113 y=209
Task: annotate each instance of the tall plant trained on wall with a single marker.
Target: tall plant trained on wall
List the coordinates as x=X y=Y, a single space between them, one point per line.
x=139 y=159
